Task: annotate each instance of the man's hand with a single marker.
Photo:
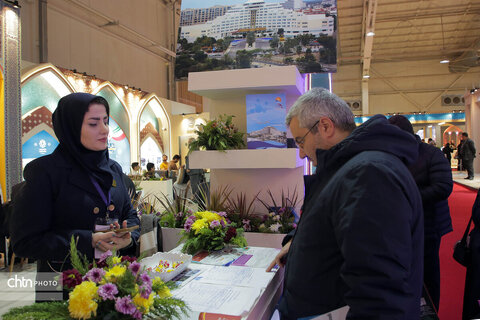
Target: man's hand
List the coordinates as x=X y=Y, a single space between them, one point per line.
x=278 y=259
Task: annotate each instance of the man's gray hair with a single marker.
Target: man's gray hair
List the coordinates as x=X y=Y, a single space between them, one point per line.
x=317 y=103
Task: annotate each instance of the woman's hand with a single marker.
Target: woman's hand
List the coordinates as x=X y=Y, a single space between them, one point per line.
x=111 y=240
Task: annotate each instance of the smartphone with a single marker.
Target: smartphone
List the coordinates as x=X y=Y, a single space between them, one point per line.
x=125 y=229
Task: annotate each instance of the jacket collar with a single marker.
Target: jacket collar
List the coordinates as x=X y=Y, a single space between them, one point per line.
x=78 y=177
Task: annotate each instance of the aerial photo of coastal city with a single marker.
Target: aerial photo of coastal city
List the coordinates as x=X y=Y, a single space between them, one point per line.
x=238 y=34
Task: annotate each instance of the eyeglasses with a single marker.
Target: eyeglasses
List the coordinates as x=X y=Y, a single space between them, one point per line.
x=301 y=141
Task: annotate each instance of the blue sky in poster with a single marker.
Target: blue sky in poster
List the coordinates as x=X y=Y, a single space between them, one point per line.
x=265 y=110
x=195 y=4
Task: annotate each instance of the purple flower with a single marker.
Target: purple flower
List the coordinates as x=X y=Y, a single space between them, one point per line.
x=125 y=305
x=179 y=215
x=294 y=225
x=222 y=214
x=94 y=275
x=137 y=315
x=108 y=291
x=145 y=290
x=134 y=268
x=222 y=223
x=214 y=224
x=145 y=278
x=105 y=255
x=188 y=223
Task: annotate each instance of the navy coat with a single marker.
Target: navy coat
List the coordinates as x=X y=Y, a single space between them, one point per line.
x=433 y=176
x=58 y=201
x=359 y=241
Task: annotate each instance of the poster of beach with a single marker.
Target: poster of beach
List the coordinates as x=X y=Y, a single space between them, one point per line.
x=266 y=121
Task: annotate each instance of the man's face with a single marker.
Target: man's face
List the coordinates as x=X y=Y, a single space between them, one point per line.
x=164 y=158
x=309 y=141
x=175 y=160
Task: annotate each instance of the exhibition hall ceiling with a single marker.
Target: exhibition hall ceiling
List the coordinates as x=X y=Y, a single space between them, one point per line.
x=408 y=30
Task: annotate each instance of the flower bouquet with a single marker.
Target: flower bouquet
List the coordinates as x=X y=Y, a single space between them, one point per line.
x=219 y=134
x=210 y=231
x=115 y=288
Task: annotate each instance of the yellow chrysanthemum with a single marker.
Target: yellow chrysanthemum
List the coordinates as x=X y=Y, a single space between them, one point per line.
x=199 y=224
x=164 y=292
x=142 y=302
x=157 y=281
x=82 y=302
x=116 y=260
x=115 y=272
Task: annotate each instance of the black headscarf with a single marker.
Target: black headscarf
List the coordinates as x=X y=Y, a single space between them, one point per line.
x=67 y=124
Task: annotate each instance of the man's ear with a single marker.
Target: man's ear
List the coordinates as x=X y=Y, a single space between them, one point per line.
x=326 y=126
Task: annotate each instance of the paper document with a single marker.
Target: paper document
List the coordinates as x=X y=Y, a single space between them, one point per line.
x=215 y=258
x=190 y=273
x=256 y=257
x=236 y=276
x=213 y=298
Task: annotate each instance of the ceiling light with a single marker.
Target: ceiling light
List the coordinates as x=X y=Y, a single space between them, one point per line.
x=444 y=61
x=441 y=123
x=366 y=76
x=370 y=34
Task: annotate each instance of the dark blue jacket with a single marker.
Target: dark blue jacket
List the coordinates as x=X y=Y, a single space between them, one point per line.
x=433 y=176
x=58 y=201
x=359 y=241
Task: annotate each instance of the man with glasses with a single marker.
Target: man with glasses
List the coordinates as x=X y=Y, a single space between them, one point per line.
x=359 y=241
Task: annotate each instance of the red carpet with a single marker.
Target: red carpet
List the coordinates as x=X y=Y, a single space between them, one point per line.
x=453 y=274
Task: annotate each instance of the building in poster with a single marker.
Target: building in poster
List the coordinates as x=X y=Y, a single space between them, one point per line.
x=264 y=18
x=266 y=121
x=239 y=34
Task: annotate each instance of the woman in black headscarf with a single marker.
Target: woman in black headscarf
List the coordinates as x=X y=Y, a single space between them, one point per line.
x=67 y=192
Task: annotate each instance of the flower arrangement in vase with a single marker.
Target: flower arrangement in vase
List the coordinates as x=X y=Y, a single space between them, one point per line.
x=218 y=134
x=114 y=288
x=207 y=230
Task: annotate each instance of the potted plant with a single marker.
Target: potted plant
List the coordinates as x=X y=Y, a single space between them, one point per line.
x=218 y=134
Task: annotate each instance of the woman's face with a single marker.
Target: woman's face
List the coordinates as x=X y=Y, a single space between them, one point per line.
x=94 y=134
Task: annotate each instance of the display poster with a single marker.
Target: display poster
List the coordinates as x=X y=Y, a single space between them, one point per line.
x=266 y=121
x=39 y=145
x=239 y=34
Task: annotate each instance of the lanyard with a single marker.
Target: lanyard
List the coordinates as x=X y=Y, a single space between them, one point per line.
x=101 y=193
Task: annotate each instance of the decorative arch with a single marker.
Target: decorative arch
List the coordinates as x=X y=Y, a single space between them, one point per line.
x=452 y=133
x=108 y=87
x=149 y=131
x=161 y=113
x=43 y=85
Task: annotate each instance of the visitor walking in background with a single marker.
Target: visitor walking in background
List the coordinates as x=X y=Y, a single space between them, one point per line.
x=447 y=150
x=468 y=154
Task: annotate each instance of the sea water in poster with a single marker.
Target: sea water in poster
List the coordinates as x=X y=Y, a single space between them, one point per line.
x=266 y=121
